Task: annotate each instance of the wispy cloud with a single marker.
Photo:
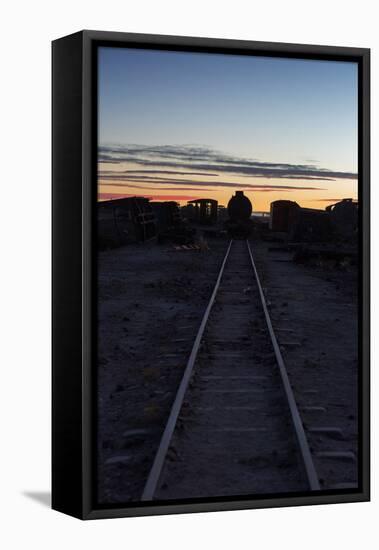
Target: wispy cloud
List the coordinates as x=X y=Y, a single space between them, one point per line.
x=154 y=187
x=110 y=196
x=125 y=181
x=208 y=161
x=330 y=200
x=168 y=172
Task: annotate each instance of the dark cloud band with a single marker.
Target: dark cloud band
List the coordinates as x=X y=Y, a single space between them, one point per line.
x=207 y=161
x=201 y=185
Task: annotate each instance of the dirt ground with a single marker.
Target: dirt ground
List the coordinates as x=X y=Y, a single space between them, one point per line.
x=314 y=311
x=151 y=301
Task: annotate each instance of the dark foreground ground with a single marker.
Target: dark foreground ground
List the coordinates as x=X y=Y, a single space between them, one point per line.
x=151 y=300
x=314 y=310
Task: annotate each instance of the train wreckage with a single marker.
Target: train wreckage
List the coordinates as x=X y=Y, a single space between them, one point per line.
x=138 y=219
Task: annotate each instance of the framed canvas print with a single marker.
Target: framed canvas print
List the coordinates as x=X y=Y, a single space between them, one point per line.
x=210 y=274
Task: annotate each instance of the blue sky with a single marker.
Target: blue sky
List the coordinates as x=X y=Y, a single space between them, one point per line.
x=270 y=110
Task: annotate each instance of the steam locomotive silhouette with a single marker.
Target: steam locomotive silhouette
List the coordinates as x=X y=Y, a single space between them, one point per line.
x=239 y=225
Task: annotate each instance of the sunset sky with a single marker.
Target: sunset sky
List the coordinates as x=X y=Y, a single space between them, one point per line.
x=178 y=126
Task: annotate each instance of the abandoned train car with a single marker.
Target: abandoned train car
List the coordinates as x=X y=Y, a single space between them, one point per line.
x=311 y=225
x=167 y=214
x=344 y=218
x=283 y=215
x=201 y=211
x=239 y=224
x=171 y=227
x=126 y=220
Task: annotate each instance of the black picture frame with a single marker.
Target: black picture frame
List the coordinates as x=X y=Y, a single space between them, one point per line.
x=74 y=134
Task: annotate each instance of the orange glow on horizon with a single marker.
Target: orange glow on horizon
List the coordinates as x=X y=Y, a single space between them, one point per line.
x=261 y=200
x=309 y=193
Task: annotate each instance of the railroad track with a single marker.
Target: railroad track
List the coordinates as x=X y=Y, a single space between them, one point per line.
x=234 y=427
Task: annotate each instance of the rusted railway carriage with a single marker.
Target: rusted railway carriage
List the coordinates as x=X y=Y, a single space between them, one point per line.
x=337 y=221
x=283 y=215
x=167 y=214
x=202 y=211
x=126 y=220
x=344 y=217
x=171 y=227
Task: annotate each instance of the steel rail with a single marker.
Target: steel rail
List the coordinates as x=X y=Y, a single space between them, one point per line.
x=295 y=415
x=155 y=472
